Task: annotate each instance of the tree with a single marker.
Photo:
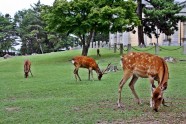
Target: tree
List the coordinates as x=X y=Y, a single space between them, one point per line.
x=58 y=41
x=163 y=15
x=7 y=33
x=165 y=9
x=30 y=28
x=101 y=36
x=84 y=17
x=34 y=37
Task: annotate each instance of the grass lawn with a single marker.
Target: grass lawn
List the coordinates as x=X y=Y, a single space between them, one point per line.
x=53 y=96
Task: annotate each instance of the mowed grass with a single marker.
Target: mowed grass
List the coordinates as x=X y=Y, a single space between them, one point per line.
x=53 y=96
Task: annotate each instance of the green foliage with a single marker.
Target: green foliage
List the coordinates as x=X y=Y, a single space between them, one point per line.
x=163 y=15
x=34 y=37
x=53 y=95
x=30 y=30
x=84 y=17
x=7 y=33
x=102 y=37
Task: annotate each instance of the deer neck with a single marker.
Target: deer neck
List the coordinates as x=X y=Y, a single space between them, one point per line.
x=98 y=71
x=165 y=76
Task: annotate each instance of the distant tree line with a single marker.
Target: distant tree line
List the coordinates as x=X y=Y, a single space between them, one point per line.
x=28 y=27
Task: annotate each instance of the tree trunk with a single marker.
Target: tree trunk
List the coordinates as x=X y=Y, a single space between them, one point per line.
x=141 y=42
x=86 y=44
x=39 y=43
x=85 y=50
x=41 y=48
x=140 y=28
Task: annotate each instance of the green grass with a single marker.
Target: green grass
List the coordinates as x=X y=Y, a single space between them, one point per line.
x=53 y=96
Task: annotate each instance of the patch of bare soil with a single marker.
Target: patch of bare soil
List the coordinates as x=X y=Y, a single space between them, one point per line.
x=159 y=118
x=174 y=114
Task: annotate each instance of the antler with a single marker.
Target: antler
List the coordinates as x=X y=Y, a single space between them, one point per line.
x=103 y=72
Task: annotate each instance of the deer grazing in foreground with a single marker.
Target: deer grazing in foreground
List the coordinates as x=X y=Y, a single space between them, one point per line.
x=90 y=64
x=145 y=65
x=27 y=68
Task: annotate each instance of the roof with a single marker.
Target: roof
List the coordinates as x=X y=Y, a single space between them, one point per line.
x=183 y=11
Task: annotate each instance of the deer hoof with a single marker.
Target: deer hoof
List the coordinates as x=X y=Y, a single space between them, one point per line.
x=139 y=102
x=119 y=105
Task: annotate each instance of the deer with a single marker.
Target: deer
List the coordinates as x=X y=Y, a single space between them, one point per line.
x=88 y=63
x=27 y=68
x=145 y=65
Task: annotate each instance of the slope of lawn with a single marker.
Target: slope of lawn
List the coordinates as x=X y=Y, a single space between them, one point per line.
x=53 y=96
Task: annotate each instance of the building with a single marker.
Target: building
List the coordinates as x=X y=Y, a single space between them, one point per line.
x=129 y=38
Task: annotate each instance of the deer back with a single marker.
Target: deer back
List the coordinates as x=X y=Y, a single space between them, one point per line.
x=85 y=62
x=145 y=65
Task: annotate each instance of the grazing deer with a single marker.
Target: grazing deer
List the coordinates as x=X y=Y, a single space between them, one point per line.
x=90 y=64
x=27 y=68
x=145 y=65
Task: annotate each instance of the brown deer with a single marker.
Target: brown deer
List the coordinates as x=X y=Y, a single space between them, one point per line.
x=145 y=65
x=89 y=63
x=27 y=68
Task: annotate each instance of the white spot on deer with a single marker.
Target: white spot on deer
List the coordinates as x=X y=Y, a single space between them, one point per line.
x=73 y=62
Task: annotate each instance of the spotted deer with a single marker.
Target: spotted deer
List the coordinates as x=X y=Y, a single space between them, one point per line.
x=27 y=68
x=90 y=64
x=145 y=65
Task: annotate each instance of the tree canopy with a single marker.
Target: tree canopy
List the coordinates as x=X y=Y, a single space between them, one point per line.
x=35 y=39
x=7 y=33
x=84 y=17
x=164 y=15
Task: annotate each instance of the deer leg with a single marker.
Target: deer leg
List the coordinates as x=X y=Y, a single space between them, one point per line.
x=152 y=87
x=31 y=73
x=163 y=102
x=91 y=72
x=88 y=74
x=131 y=85
x=151 y=101
x=76 y=74
x=126 y=76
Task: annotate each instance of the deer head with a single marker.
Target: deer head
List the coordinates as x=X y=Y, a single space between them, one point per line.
x=157 y=98
x=101 y=73
x=26 y=74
